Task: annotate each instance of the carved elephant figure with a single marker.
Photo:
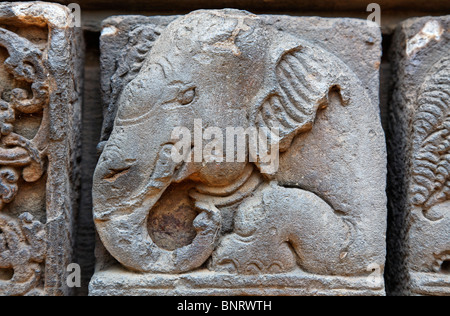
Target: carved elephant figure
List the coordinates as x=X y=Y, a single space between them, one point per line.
x=227 y=68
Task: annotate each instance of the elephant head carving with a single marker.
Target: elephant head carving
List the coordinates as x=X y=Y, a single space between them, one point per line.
x=227 y=68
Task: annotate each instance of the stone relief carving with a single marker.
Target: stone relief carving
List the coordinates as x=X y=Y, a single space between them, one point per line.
x=430 y=186
x=132 y=58
x=228 y=68
x=22 y=251
x=22 y=242
x=24 y=64
x=35 y=94
x=431 y=133
x=420 y=158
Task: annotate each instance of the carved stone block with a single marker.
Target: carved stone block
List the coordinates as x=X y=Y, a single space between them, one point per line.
x=309 y=220
x=420 y=158
x=40 y=108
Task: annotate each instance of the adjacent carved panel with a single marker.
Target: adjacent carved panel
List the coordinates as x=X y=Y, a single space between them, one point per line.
x=279 y=214
x=421 y=129
x=39 y=101
x=22 y=251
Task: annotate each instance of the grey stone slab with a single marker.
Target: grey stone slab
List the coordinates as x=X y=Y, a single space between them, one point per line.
x=41 y=85
x=120 y=282
x=419 y=141
x=319 y=218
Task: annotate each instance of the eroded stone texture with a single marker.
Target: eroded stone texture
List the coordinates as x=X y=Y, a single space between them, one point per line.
x=40 y=107
x=315 y=225
x=262 y=6
x=420 y=165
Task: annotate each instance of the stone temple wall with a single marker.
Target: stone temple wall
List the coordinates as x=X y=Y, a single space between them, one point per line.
x=227 y=147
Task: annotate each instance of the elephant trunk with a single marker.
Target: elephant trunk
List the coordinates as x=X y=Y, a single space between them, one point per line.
x=122 y=224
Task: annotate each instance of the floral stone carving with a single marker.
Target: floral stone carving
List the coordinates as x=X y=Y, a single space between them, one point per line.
x=313 y=224
x=39 y=123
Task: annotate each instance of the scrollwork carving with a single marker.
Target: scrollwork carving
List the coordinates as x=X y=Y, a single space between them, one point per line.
x=22 y=240
x=25 y=64
x=22 y=249
x=8 y=185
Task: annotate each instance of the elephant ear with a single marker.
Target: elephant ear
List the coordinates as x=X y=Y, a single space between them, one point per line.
x=431 y=127
x=303 y=77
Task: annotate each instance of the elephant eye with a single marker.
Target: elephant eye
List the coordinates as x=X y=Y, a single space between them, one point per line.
x=187 y=96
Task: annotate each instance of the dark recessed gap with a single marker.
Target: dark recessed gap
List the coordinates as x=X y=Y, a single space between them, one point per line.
x=445 y=267
x=386 y=46
x=6 y=274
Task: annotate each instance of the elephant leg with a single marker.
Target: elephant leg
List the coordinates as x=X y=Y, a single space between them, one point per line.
x=317 y=235
x=255 y=246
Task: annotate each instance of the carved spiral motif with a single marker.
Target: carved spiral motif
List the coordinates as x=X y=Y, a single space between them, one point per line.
x=431 y=128
x=22 y=249
x=22 y=240
x=17 y=153
x=8 y=185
